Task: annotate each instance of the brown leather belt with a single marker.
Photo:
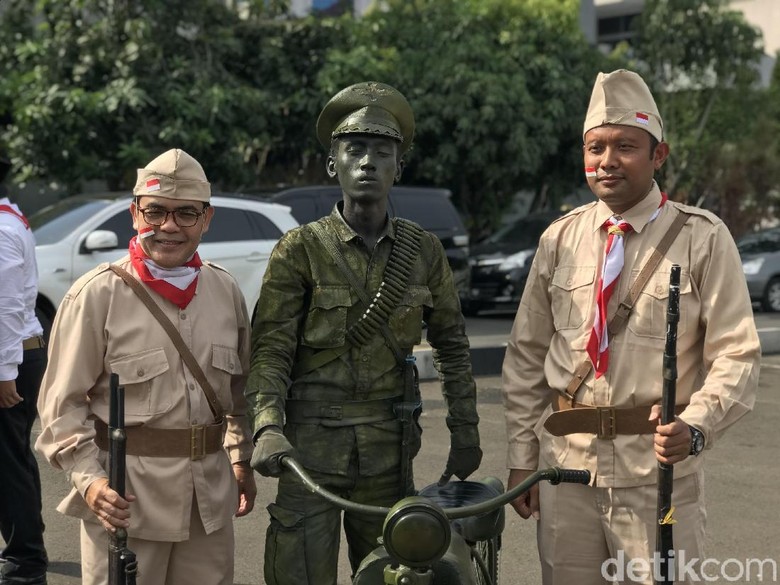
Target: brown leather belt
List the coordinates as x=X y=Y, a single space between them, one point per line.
x=36 y=342
x=194 y=443
x=340 y=414
x=606 y=422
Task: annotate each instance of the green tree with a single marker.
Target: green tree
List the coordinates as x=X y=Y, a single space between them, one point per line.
x=499 y=89
x=702 y=59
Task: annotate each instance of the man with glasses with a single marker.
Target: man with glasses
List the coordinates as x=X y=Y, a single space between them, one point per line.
x=189 y=440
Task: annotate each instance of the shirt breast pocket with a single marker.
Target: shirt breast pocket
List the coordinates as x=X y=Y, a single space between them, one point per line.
x=406 y=321
x=140 y=374
x=648 y=319
x=571 y=295
x=226 y=364
x=326 y=322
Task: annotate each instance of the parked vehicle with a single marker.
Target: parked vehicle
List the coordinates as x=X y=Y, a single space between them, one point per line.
x=500 y=264
x=78 y=233
x=429 y=207
x=760 y=253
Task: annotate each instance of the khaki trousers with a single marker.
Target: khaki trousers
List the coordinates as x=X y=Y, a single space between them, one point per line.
x=203 y=559
x=592 y=536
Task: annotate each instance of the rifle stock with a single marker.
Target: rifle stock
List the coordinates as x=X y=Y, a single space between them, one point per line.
x=122 y=564
x=664 y=540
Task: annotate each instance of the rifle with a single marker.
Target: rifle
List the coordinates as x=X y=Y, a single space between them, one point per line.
x=122 y=565
x=406 y=411
x=664 y=543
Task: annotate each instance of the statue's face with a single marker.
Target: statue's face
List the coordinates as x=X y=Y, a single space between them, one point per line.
x=365 y=164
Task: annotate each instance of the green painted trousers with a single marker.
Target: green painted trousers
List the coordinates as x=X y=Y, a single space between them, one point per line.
x=302 y=542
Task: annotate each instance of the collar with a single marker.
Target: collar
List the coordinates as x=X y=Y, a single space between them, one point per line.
x=638 y=216
x=345 y=233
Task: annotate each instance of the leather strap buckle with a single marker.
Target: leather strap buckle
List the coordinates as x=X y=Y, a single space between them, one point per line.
x=197 y=442
x=332 y=411
x=607 y=428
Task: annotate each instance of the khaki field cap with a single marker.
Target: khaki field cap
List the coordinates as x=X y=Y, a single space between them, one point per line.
x=367 y=108
x=173 y=175
x=622 y=97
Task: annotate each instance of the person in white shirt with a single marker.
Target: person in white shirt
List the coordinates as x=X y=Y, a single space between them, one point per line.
x=22 y=363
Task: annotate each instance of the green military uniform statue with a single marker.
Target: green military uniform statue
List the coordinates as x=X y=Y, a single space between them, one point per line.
x=341 y=308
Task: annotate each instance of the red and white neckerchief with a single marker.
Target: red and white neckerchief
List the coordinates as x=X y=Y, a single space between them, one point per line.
x=598 y=343
x=175 y=284
x=16 y=212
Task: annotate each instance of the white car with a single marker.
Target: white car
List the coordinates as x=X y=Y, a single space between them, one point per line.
x=78 y=233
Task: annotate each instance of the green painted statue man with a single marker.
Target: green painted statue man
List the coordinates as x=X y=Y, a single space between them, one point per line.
x=343 y=303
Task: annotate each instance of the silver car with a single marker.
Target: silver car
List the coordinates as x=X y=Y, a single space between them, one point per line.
x=760 y=252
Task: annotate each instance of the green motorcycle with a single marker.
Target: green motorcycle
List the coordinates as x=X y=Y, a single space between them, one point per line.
x=444 y=535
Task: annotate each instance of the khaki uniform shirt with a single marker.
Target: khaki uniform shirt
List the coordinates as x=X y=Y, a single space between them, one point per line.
x=306 y=305
x=718 y=351
x=102 y=327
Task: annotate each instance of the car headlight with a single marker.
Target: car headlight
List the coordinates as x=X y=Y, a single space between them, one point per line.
x=517 y=260
x=751 y=267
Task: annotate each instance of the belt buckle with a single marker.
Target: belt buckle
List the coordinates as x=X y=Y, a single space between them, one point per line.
x=605 y=418
x=333 y=411
x=197 y=442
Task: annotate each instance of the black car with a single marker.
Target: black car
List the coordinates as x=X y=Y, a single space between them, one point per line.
x=500 y=263
x=429 y=207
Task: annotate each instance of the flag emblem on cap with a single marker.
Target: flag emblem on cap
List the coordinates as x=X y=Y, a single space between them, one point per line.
x=642 y=118
x=590 y=172
x=154 y=184
x=145 y=232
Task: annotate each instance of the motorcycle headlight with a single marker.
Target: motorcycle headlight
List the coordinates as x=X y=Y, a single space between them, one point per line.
x=751 y=267
x=416 y=532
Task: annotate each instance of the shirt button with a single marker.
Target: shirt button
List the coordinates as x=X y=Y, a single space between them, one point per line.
x=195 y=421
x=191 y=386
x=659 y=289
x=140 y=372
x=365 y=358
x=183 y=316
x=568 y=282
x=230 y=365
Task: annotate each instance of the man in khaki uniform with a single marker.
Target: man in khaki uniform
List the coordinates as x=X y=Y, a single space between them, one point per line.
x=558 y=332
x=187 y=465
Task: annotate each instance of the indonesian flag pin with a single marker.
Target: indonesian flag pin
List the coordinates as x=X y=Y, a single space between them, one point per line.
x=146 y=232
x=590 y=172
x=642 y=118
x=152 y=185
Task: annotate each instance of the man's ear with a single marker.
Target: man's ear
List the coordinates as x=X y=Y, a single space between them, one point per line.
x=399 y=169
x=134 y=213
x=660 y=155
x=330 y=166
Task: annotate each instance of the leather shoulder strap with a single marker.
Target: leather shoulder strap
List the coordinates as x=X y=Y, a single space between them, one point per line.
x=178 y=342
x=620 y=318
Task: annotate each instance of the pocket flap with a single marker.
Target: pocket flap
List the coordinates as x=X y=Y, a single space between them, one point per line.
x=329 y=297
x=226 y=359
x=140 y=367
x=658 y=285
x=572 y=277
x=416 y=296
x=287 y=518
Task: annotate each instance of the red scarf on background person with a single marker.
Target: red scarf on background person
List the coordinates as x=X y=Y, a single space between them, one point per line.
x=175 y=284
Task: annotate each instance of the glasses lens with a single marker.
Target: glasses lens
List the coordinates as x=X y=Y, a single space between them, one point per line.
x=154 y=216
x=186 y=218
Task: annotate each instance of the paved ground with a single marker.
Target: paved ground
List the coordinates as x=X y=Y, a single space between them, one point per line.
x=742 y=495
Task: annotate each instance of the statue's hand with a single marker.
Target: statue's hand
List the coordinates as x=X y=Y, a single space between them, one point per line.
x=270 y=446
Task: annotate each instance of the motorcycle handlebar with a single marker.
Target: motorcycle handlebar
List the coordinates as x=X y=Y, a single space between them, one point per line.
x=554 y=475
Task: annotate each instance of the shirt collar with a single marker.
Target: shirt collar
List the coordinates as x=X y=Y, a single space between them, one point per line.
x=637 y=216
x=345 y=233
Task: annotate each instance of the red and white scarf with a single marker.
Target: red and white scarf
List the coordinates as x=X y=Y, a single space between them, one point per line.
x=12 y=209
x=175 y=284
x=598 y=343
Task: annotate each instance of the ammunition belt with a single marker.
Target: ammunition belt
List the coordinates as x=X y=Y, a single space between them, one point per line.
x=606 y=422
x=194 y=442
x=340 y=414
x=406 y=249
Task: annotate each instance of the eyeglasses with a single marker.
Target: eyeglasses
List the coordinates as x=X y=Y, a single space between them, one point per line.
x=157 y=216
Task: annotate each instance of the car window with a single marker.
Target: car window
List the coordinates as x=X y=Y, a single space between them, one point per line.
x=760 y=242
x=433 y=213
x=229 y=225
x=264 y=228
x=524 y=233
x=55 y=222
x=121 y=223
x=303 y=209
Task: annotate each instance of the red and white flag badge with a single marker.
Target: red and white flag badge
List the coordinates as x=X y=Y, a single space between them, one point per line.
x=642 y=118
x=152 y=185
x=146 y=232
x=590 y=172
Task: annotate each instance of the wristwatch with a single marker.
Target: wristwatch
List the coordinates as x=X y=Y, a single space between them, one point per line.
x=697 y=441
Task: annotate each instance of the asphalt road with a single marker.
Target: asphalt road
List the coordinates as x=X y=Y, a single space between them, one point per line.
x=741 y=488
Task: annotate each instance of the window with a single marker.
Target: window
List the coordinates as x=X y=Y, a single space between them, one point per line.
x=122 y=225
x=229 y=225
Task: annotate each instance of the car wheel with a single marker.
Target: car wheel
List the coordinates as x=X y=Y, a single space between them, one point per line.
x=771 y=301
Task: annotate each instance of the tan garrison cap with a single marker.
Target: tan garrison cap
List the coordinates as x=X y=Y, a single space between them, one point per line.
x=622 y=97
x=173 y=175
x=367 y=108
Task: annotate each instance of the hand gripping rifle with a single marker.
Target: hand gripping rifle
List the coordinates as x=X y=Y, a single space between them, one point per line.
x=122 y=566
x=664 y=544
